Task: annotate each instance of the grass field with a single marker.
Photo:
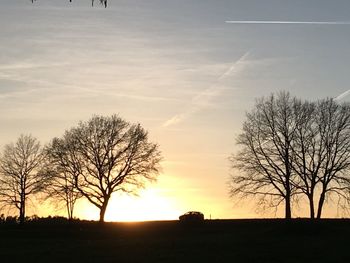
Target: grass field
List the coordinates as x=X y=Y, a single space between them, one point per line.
x=213 y=241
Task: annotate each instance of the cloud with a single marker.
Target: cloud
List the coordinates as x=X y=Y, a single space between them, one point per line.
x=343 y=95
x=289 y=22
x=202 y=100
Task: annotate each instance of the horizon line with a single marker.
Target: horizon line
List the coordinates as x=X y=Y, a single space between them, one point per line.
x=287 y=22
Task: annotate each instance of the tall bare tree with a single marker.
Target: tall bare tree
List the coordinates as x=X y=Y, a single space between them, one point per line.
x=105 y=155
x=333 y=122
x=307 y=153
x=263 y=166
x=20 y=173
x=322 y=152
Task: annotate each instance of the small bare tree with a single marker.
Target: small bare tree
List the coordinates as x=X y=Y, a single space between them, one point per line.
x=61 y=190
x=20 y=173
x=105 y=155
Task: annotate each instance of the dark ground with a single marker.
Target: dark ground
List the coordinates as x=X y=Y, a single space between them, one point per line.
x=213 y=241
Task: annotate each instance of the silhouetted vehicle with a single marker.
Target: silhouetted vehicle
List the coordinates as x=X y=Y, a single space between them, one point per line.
x=192 y=216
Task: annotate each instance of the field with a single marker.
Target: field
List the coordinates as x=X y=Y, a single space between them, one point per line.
x=213 y=241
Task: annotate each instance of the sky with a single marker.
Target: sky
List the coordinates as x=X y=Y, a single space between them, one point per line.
x=177 y=67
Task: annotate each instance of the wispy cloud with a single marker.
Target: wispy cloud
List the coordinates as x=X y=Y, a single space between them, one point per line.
x=343 y=95
x=202 y=100
x=288 y=22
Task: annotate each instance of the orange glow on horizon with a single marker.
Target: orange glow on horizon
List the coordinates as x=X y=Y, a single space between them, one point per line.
x=149 y=205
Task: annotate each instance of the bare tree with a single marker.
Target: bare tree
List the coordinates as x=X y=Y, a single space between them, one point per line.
x=293 y=148
x=105 y=155
x=333 y=122
x=307 y=153
x=61 y=190
x=20 y=175
x=263 y=166
x=322 y=152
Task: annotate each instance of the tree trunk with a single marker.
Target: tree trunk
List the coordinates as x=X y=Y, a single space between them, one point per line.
x=288 y=211
x=312 y=209
x=320 y=204
x=22 y=210
x=103 y=211
x=311 y=205
x=69 y=210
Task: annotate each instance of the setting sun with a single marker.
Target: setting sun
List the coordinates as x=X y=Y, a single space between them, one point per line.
x=148 y=205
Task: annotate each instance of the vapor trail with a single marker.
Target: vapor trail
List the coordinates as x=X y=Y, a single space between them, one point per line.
x=289 y=22
x=200 y=101
x=343 y=95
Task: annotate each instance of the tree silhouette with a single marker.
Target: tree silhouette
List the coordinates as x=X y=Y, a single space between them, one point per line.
x=322 y=152
x=265 y=159
x=20 y=173
x=293 y=148
x=307 y=151
x=333 y=122
x=105 y=155
x=61 y=189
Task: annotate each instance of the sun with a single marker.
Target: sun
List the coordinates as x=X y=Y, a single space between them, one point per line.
x=149 y=205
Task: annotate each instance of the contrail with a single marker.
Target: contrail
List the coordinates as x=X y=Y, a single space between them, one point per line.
x=233 y=67
x=289 y=22
x=343 y=95
x=199 y=101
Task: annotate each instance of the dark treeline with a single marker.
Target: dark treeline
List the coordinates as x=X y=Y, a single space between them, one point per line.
x=8 y=220
x=93 y=160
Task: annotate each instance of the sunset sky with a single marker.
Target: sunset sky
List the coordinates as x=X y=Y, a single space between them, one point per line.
x=175 y=66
